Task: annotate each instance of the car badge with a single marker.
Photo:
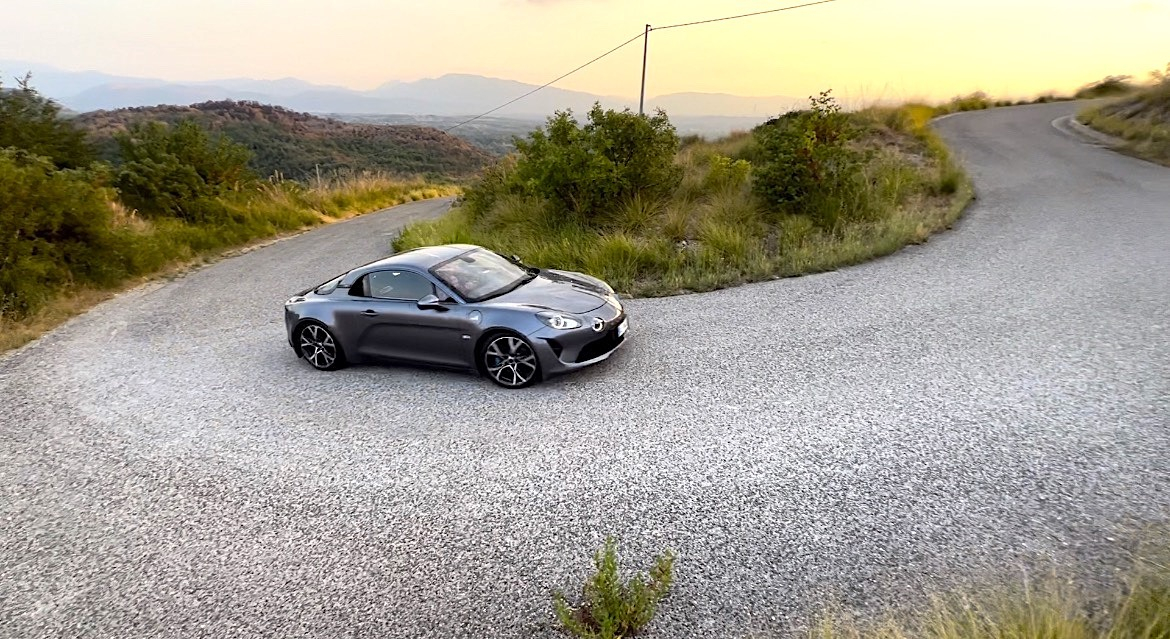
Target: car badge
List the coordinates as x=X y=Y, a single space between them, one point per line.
x=598 y=324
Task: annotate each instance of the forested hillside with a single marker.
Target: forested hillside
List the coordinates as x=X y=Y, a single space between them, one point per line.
x=299 y=145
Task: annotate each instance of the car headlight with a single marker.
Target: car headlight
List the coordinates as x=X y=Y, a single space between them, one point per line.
x=559 y=321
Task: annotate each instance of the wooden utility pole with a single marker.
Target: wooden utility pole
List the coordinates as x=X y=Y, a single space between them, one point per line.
x=645 y=51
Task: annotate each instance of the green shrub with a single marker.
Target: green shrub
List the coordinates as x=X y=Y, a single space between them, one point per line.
x=610 y=609
x=33 y=123
x=805 y=163
x=588 y=169
x=177 y=171
x=54 y=230
x=726 y=173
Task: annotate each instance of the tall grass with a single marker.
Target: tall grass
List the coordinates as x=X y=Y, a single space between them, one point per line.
x=1051 y=609
x=277 y=207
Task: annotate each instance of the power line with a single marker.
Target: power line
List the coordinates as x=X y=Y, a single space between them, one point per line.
x=744 y=15
x=615 y=49
x=545 y=85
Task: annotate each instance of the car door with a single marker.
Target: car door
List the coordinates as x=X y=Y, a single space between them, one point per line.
x=396 y=328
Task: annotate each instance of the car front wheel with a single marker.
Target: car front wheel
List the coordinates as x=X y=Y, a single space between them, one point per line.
x=509 y=361
x=320 y=348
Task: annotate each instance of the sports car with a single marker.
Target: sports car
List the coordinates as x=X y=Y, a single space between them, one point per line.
x=458 y=306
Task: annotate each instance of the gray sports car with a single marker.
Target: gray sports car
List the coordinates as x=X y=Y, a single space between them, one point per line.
x=458 y=306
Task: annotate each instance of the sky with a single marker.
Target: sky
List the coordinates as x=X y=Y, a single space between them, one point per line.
x=861 y=49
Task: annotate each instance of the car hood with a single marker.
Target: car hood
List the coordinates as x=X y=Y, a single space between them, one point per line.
x=558 y=291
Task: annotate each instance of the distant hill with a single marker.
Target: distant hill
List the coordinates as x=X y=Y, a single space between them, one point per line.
x=495 y=134
x=298 y=144
x=454 y=94
x=725 y=105
x=449 y=95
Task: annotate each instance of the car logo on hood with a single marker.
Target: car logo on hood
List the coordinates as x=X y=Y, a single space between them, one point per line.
x=598 y=324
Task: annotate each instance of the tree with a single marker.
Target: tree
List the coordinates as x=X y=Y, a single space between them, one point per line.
x=33 y=123
x=173 y=170
x=54 y=229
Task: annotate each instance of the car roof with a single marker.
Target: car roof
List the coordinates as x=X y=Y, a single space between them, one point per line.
x=422 y=259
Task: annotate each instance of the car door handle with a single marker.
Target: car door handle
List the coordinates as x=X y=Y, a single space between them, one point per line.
x=369 y=313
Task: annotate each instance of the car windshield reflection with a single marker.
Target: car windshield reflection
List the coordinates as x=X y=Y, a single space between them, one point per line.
x=479 y=275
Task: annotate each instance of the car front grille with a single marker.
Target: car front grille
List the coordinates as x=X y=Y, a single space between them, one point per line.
x=600 y=346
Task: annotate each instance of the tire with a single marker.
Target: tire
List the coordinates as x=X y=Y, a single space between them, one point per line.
x=509 y=361
x=319 y=347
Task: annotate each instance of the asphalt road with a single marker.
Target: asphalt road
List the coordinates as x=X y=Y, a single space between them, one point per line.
x=965 y=408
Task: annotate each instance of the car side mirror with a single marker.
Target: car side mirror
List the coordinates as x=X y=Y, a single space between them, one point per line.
x=431 y=302
x=516 y=259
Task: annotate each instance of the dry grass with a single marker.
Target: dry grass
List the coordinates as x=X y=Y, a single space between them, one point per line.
x=1057 y=607
x=14 y=334
x=1142 y=120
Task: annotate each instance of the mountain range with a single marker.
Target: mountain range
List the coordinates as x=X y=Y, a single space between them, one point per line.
x=448 y=95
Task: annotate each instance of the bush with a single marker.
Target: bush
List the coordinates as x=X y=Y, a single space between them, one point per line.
x=611 y=609
x=588 y=170
x=176 y=171
x=33 y=123
x=976 y=101
x=54 y=229
x=1108 y=86
x=804 y=161
x=725 y=173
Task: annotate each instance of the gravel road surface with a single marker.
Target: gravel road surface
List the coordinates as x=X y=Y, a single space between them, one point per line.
x=168 y=468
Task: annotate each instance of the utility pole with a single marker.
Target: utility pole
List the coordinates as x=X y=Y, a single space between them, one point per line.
x=645 y=51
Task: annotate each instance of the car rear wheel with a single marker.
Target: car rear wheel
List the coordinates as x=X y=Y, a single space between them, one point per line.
x=509 y=361
x=320 y=348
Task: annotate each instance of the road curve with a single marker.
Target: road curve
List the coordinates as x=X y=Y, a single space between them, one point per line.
x=998 y=395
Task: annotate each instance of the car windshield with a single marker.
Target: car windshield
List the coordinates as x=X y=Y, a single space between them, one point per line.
x=330 y=286
x=477 y=275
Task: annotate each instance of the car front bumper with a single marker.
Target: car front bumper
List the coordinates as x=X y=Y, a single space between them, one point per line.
x=563 y=351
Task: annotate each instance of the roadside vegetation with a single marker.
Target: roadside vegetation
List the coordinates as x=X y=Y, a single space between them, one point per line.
x=1140 y=119
x=1107 y=87
x=1052 y=608
x=73 y=230
x=1139 y=608
x=620 y=196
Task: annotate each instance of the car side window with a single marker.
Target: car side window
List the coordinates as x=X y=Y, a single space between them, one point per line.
x=398 y=285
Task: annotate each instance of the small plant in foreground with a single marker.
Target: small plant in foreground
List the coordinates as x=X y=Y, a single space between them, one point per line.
x=610 y=609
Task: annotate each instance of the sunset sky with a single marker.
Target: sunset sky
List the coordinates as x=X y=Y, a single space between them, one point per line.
x=863 y=49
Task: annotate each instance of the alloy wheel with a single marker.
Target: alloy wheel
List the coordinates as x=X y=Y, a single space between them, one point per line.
x=318 y=346
x=510 y=361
